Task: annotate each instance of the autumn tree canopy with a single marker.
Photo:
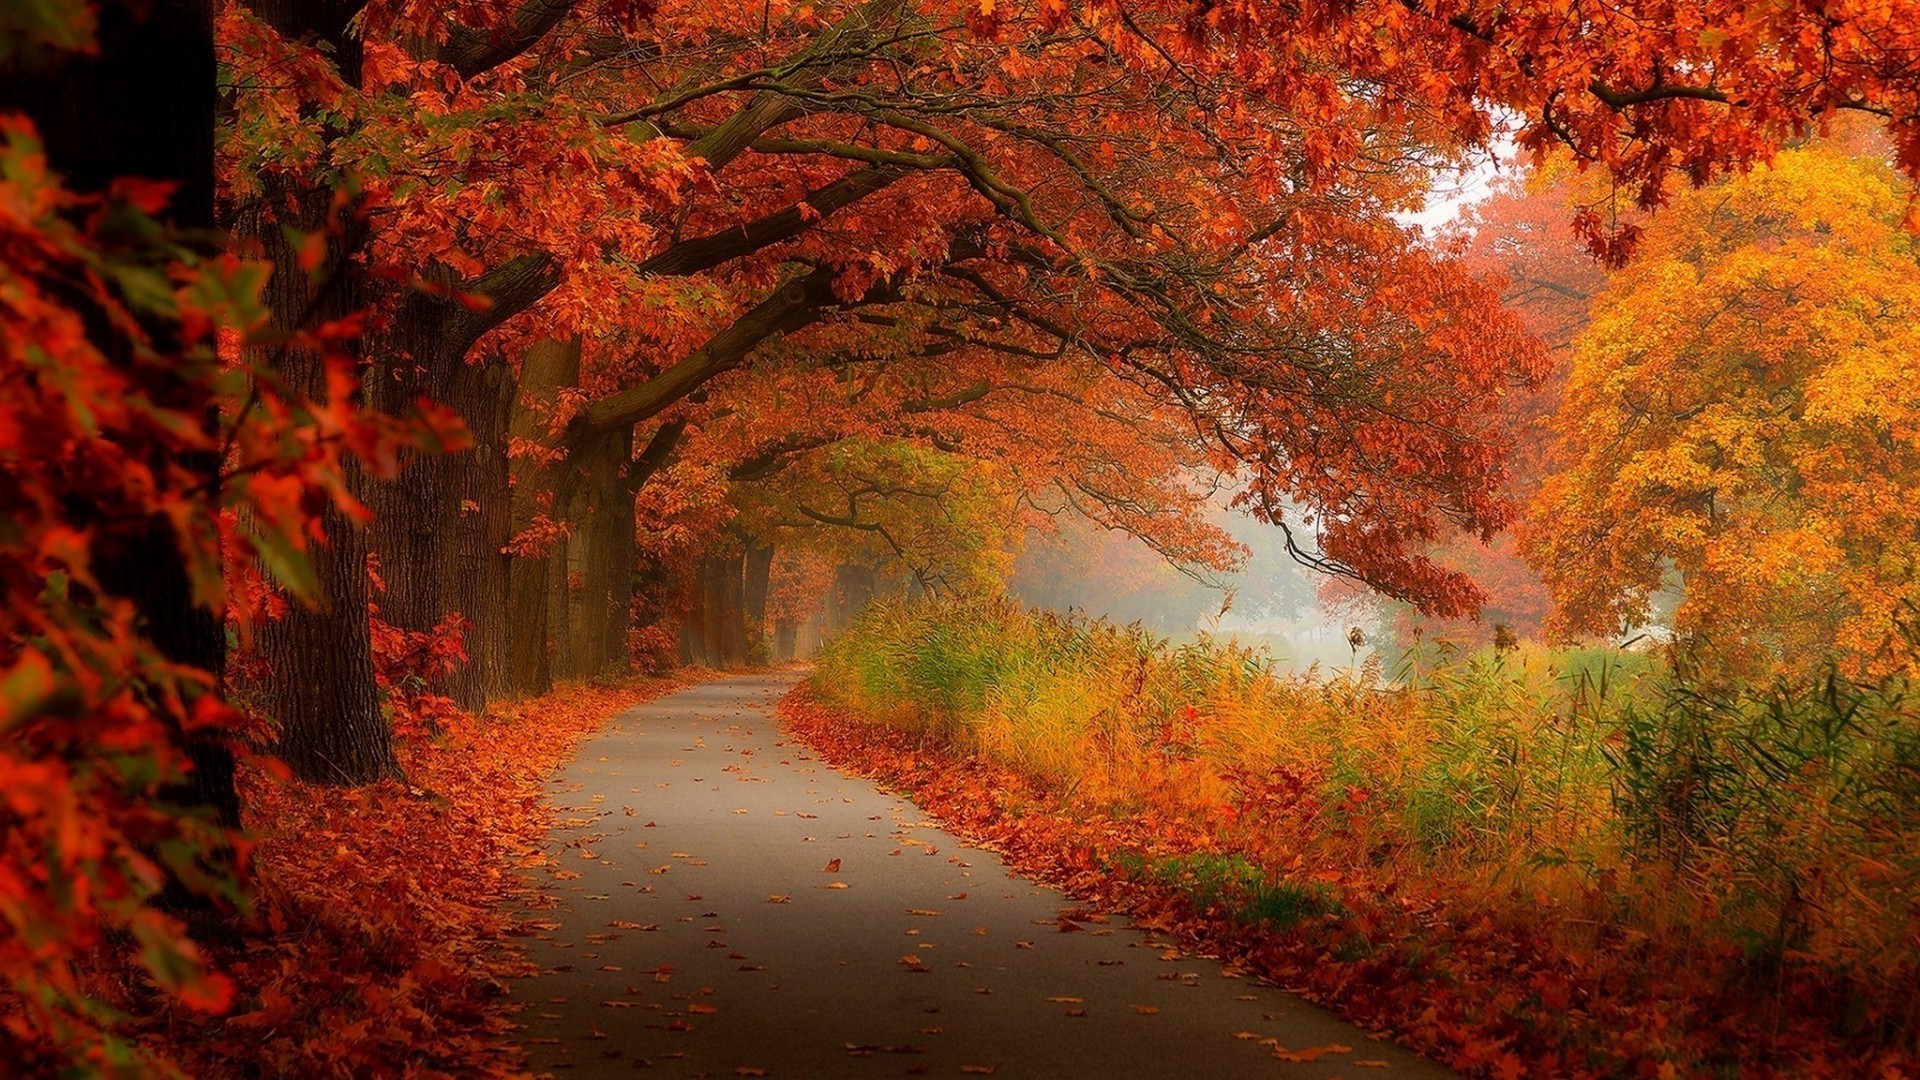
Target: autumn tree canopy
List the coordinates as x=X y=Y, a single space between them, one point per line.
x=1739 y=421
x=1084 y=252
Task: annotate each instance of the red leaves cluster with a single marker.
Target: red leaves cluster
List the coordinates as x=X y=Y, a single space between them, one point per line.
x=382 y=932
x=1473 y=976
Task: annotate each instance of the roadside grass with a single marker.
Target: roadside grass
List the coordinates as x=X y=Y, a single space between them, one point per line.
x=1752 y=850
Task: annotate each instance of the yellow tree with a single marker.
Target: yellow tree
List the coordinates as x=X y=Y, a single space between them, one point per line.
x=1743 y=419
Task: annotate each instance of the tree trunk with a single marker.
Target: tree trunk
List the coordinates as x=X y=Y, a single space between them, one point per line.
x=786 y=634
x=406 y=365
x=320 y=686
x=602 y=509
x=706 y=641
x=733 y=615
x=853 y=588
x=716 y=632
x=759 y=574
x=559 y=589
x=548 y=367
x=476 y=523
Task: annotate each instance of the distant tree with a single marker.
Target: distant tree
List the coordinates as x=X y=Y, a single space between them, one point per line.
x=1744 y=414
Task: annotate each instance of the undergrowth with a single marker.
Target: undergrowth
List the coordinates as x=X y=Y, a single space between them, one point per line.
x=1748 y=854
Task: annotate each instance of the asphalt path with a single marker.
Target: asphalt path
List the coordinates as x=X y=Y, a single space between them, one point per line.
x=730 y=905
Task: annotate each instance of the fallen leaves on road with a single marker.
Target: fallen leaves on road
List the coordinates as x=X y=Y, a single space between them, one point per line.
x=381 y=934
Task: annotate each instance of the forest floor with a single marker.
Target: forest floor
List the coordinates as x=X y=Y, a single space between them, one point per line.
x=723 y=903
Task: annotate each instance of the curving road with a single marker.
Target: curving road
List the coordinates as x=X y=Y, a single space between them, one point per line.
x=731 y=906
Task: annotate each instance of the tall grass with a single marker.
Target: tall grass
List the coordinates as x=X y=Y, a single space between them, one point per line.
x=1609 y=797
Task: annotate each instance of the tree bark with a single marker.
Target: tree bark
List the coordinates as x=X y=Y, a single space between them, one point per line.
x=548 y=367
x=476 y=523
x=320 y=687
x=853 y=588
x=759 y=574
x=602 y=508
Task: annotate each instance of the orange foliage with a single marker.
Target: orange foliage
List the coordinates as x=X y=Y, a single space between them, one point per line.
x=114 y=352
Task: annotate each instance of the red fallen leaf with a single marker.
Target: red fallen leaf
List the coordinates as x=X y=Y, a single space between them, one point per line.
x=1147 y=1010
x=1311 y=1053
x=913 y=963
x=831 y=868
x=748 y=1070
x=780 y=898
x=650 y=825
x=977 y=1070
x=702 y=1007
x=921 y=911
x=1076 y=1012
x=594 y=1032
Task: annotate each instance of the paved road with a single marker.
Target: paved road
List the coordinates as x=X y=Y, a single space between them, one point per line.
x=732 y=906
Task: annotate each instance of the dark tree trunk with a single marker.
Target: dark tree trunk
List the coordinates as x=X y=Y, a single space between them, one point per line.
x=559 y=590
x=143 y=106
x=476 y=523
x=407 y=364
x=759 y=574
x=733 y=616
x=548 y=367
x=715 y=633
x=601 y=511
x=320 y=687
x=853 y=588
x=710 y=607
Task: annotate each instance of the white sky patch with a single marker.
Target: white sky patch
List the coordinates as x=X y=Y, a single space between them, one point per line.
x=1456 y=189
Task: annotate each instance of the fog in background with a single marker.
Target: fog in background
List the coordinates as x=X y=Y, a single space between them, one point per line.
x=1272 y=600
